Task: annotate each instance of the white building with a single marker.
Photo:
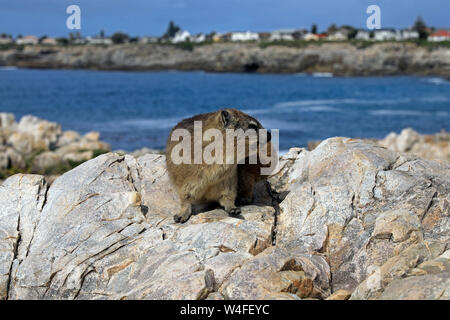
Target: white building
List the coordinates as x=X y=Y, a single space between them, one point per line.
x=244 y=36
x=311 y=36
x=362 y=35
x=338 y=36
x=27 y=40
x=408 y=34
x=181 y=36
x=385 y=35
x=441 y=35
x=278 y=35
x=198 y=38
x=99 y=40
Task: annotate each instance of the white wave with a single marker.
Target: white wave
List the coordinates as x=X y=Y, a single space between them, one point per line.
x=284 y=125
x=307 y=103
x=151 y=123
x=387 y=112
x=258 y=111
x=322 y=74
x=437 y=81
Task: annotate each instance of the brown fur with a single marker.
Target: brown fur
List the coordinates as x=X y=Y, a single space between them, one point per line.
x=249 y=175
x=204 y=183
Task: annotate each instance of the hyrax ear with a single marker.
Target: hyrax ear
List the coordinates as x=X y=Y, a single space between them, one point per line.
x=225 y=117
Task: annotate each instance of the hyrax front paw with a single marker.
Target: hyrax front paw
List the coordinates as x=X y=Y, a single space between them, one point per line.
x=181 y=218
x=234 y=211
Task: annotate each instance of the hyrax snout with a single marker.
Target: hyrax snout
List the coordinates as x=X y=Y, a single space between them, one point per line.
x=197 y=179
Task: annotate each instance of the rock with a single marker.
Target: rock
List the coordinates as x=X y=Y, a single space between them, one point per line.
x=22 y=142
x=278 y=274
x=81 y=146
x=361 y=205
x=22 y=198
x=68 y=137
x=406 y=139
x=45 y=133
x=355 y=219
x=45 y=161
x=143 y=151
x=79 y=156
x=7 y=120
x=432 y=147
x=430 y=287
x=92 y=136
x=10 y=158
x=340 y=295
x=16 y=160
x=343 y=58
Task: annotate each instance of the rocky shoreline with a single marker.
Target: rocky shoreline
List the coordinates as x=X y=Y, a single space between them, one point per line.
x=38 y=146
x=356 y=220
x=341 y=59
x=430 y=146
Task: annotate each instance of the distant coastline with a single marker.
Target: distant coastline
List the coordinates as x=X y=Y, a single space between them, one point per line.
x=331 y=58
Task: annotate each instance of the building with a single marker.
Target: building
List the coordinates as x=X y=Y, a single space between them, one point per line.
x=27 y=40
x=384 y=35
x=244 y=36
x=339 y=35
x=97 y=40
x=278 y=35
x=181 y=36
x=5 y=40
x=438 y=36
x=408 y=34
x=362 y=35
x=198 y=38
x=49 y=41
x=311 y=37
x=146 y=40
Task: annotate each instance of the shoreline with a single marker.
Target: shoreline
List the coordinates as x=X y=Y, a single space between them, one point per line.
x=338 y=59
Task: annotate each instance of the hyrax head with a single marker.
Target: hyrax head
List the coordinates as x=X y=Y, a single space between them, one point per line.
x=245 y=129
x=235 y=119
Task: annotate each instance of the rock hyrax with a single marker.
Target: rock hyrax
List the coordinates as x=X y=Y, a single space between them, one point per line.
x=201 y=183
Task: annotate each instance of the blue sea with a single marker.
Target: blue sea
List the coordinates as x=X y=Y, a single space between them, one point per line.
x=137 y=109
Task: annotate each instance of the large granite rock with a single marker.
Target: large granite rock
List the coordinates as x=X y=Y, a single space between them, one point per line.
x=355 y=218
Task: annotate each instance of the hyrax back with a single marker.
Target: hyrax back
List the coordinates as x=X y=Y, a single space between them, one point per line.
x=198 y=183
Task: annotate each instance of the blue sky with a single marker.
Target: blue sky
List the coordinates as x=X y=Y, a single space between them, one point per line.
x=150 y=17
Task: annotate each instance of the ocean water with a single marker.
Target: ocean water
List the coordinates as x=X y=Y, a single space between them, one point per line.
x=137 y=109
